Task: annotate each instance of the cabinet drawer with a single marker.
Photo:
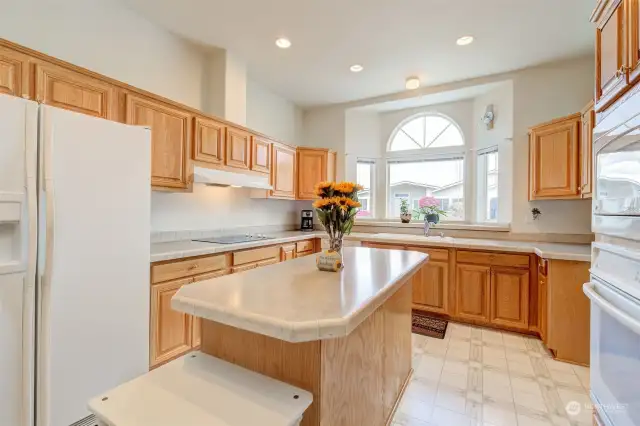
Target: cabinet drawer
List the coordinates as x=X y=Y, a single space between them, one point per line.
x=186 y=268
x=304 y=253
x=246 y=267
x=210 y=275
x=493 y=259
x=255 y=255
x=434 y=254
x=304 y=246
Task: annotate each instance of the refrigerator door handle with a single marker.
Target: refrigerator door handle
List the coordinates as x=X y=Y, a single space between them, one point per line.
x=608 y=307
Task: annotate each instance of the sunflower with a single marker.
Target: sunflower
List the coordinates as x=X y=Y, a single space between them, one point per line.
x=323 y=202
x=344 y=187
x=323 y=188
x=345 y=203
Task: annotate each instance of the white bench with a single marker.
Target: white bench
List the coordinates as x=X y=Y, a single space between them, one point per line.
x=201 y=390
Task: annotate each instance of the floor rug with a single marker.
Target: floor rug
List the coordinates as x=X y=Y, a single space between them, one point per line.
x=426 y=325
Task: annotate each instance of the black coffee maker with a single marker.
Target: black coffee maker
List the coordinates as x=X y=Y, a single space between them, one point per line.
x=306 y=222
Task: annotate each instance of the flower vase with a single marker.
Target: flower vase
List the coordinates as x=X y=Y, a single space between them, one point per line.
x=330 y=260
x=433 y=218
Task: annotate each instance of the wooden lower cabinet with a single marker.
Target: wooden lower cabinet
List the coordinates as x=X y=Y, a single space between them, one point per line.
x=287 y=252
x=542 y=307
x=472 y=292
x=509 y=304
x=171 y=331
x=431 y=287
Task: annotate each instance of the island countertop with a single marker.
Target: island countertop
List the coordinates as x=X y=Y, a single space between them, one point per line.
x=295 y=302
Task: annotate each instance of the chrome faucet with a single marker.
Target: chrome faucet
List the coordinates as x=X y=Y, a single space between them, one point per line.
x=427 y=228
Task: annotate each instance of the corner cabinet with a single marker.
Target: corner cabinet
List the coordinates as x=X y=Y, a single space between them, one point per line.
x=315 y=165
x=554 y=166
x=283 y=172
x=170 y=136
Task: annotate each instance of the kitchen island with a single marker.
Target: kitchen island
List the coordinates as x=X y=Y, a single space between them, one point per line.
x=345 y=337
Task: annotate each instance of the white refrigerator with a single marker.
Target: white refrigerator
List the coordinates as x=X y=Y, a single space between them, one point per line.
x=74 y=261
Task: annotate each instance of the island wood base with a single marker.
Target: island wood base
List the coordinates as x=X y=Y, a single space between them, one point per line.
x=355 y=380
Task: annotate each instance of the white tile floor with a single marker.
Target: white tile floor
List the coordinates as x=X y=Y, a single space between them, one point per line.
x=481 y=377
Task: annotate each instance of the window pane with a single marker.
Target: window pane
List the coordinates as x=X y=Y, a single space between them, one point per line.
x=415 y=130
x=450 y=137
x=492 y=186
x=441 y=179
x=364 y=177
x=434 y=125
x=402 y=142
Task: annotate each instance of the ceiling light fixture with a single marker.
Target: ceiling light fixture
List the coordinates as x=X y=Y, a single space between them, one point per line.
x=356 y=68
x=412 y=83
x=283 y=43
x=464 y=41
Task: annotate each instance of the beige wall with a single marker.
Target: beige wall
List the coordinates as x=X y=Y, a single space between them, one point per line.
x=538 y=94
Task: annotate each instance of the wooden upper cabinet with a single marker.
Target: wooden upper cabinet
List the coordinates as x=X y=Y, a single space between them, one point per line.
x=260 y=154
x=509 y=295
x=554 y=165
x=315 y=165
x=14 y=73
x=633 y=39
x=611 y=51
x=170 y=133
x=238 y=148
x=209 y=141
x=472 y=292
x=586 y=151
x=171 y=331
x=283 y=172
x=63 y=88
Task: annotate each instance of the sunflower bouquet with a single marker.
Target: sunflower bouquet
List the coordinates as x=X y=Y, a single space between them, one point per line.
x=336 y=209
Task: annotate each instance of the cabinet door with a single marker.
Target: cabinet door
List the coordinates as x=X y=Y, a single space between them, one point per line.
x=312 y=169
x=14 y=73
x=196 y=322
x=611 y=73
x=209 y=141
x=554 y=161
x=431 y=287
x=287 y=252
x=633 y=39
x=472 y=292
x=510 y=297
x=586 y=151
x=63 y=88
x=238 y=148
x=332 y=165
x=260 y=154
x=283 y=172
x=170 y=330
x=170 y=132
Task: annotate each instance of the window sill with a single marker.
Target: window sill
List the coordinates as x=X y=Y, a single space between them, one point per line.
x=449 y=225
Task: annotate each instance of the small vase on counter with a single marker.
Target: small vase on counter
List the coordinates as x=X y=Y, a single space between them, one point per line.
x=336 y=210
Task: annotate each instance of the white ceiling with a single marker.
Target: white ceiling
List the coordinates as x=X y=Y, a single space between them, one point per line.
x=391 y=39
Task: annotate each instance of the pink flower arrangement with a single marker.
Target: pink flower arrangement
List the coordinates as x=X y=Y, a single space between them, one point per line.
x=428 y=202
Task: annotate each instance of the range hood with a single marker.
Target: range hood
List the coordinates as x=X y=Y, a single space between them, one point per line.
x=226 y=178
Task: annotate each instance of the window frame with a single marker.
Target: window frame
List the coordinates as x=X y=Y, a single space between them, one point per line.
x=432 y=154
x=482 y=188
x=372 y=179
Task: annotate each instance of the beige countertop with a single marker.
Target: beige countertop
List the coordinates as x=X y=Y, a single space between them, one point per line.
x=578 y=252
x=295 y=302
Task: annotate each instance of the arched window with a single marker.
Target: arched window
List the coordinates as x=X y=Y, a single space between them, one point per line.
x=426 y=131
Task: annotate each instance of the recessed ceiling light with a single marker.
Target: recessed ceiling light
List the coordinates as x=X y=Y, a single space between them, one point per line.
x=283 y=43
x=463 y=41
x=356 y=68
x=412 y=83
